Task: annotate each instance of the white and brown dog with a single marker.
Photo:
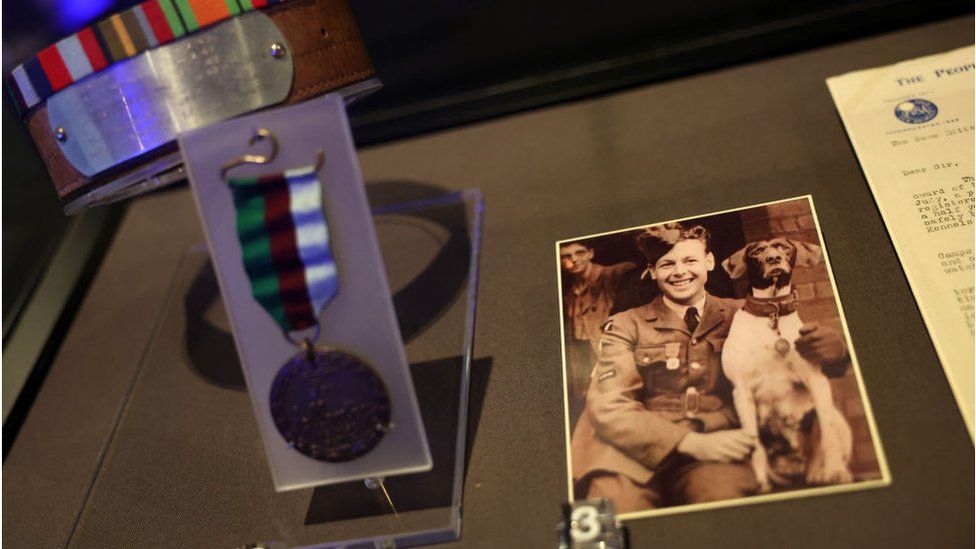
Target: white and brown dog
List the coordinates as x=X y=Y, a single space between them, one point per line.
x=780 y=397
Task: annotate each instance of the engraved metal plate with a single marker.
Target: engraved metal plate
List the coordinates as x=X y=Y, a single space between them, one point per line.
x=158 y=171
x=142 y=103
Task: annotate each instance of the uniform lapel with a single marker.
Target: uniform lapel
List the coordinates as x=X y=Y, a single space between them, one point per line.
x=664 y=318
x=713 y=315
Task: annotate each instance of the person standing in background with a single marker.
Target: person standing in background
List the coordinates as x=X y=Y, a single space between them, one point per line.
x=588 y=300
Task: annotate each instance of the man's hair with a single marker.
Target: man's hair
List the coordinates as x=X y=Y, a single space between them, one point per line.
x=657 y=240
x=588 y=244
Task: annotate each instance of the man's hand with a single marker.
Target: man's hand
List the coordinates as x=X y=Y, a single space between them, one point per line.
x=723 y=446
x=820 y=345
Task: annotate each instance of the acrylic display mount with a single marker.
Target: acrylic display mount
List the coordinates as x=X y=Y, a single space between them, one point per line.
x=185 y=455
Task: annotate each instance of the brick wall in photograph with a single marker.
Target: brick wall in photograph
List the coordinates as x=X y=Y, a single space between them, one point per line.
x=816 y=303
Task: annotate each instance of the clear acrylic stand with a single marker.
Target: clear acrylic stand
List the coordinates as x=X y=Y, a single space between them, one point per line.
x=427 y=323
x=186 y=462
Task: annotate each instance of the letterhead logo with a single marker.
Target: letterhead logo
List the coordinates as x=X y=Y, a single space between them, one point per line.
x=916 y=111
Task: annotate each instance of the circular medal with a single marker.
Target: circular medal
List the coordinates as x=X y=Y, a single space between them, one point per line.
x=330 y=405
x=782 y=346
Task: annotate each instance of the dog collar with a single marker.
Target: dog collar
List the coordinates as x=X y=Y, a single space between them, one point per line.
x=116 y=38
x=109 y=129
x=771 y=306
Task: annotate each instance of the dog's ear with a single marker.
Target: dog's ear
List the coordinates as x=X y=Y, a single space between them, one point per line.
x=807 y=255
x=735 y=264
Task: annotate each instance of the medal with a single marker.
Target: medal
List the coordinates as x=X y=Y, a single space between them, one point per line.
x=326 y=403
x=671 y=351
x=329 y=405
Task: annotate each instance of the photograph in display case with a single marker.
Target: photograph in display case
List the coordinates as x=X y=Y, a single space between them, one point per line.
x=707 y=363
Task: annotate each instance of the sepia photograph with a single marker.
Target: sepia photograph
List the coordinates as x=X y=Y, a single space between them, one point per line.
x=707 y=363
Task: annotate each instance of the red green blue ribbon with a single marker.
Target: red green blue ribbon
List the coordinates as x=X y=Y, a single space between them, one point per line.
x=285 y=243
x=117 y=38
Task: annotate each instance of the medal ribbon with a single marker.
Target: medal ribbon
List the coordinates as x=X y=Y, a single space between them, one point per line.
x=119 y=37
x=285 y=242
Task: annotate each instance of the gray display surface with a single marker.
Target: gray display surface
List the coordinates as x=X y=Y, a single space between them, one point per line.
x=725 y=139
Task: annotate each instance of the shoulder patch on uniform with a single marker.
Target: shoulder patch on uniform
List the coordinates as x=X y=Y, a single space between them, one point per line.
x=607 y=326
x=606 y=375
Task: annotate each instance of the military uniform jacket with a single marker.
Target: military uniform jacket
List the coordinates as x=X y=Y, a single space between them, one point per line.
x=653 y=383
x=588 y=309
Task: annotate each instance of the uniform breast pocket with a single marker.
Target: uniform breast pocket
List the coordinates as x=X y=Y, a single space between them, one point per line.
x=650 y=356
x=660 y=367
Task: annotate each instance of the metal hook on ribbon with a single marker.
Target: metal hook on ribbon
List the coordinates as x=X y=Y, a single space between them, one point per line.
x=303 y=340
x=262 y=134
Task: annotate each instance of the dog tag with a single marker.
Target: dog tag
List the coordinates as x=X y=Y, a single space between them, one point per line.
x=782 y=346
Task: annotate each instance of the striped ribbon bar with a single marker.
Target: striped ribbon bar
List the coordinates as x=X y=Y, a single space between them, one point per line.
x=285 y=242
x=119 y=37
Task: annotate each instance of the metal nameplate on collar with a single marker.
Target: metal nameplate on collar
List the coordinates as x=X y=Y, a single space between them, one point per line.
x=144 y=102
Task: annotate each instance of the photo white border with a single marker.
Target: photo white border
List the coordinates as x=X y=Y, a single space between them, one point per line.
x=885 y=479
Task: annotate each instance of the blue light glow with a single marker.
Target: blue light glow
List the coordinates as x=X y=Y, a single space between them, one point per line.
x=74 y=14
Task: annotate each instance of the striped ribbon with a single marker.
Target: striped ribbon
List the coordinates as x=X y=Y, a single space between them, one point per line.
x=119 y=37
x=285 y=242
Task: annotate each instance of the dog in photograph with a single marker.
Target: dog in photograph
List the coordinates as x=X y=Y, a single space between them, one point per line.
x=780 y=397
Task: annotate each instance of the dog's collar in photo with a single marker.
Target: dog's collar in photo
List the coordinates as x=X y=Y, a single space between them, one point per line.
x=771 y=306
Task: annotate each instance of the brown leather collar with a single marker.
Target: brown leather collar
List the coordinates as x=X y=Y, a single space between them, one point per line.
x=766 y=306
x=328 y=54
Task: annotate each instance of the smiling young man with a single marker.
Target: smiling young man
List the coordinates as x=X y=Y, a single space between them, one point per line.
x=659 y=428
